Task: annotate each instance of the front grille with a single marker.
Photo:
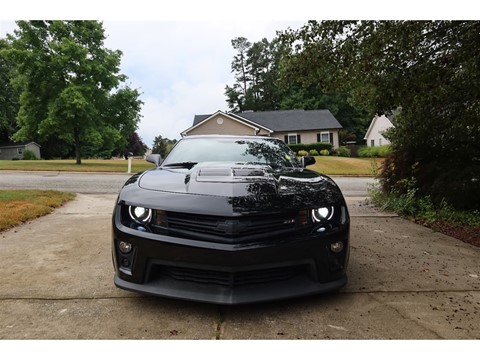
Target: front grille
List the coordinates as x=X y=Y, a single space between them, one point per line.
x=229 y=279
x=228 y=229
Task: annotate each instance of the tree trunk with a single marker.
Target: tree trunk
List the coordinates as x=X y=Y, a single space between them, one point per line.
x=76 y=135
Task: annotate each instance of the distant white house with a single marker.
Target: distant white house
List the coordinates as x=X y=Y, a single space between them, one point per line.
x=377 y=128
x=15 y=151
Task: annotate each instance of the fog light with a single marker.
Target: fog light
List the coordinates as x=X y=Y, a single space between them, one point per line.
x=336 y=247
x=125 y=262
x=125 y=247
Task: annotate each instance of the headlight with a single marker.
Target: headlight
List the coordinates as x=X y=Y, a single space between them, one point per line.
x=140 y=214
x=322 y=214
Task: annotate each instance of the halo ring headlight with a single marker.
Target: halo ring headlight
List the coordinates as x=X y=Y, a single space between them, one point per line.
x=322 y=214
x=140 y=214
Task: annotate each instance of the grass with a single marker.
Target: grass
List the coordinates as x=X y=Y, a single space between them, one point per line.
x=19 y=206
x=335 y=165
x=69 y=165
x=330 y=165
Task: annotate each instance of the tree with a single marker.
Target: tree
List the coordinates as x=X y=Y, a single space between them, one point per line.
x=239 y=63
x=429 y=71
x=256 y=68
x=70 y=86
x=162 y=146
x=269 y=83
x=135 y=145
x=8 y=95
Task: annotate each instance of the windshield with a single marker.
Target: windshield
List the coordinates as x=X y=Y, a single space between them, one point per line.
x=272 y=152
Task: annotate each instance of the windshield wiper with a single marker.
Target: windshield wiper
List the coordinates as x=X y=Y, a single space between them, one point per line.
x=186 y=164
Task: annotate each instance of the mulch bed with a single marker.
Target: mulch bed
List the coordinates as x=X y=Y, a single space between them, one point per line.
x=465 y=233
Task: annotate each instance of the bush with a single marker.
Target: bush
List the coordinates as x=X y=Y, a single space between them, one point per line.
x=307 y=147
x=324 y=152
x=302 y=153
x=29 y=155
x=374 y=151
x=313 y=152
x=343 y=151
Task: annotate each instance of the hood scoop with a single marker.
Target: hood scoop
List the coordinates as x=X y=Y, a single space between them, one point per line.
x=243 y=174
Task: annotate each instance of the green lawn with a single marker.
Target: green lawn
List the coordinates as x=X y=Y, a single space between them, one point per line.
x=330 y=165
x=69 y=165
x=334 y=165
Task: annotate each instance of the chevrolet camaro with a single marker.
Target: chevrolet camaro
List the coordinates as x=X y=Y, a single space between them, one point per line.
x=230 y=220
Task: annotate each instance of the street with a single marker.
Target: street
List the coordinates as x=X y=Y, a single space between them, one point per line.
x=106 y=183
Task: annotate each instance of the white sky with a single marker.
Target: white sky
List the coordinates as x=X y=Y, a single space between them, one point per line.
x=179 y=55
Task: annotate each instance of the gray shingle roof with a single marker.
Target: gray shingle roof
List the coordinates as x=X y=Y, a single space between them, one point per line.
x=287 y=120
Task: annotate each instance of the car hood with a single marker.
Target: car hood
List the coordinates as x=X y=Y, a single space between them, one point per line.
x=231 y=187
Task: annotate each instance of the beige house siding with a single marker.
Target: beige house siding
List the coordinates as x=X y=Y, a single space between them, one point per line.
x=221 y=124
x=309 y=137
x=264 y=132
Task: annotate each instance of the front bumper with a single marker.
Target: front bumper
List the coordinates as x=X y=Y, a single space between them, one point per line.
x=276 y=269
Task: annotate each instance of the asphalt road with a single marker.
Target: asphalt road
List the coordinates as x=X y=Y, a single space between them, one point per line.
x=105 y=183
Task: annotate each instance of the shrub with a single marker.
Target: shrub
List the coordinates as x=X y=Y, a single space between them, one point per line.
x=324 y=152
x=307 y=147
x=29 y=155
x=374 y=151
x=343 y=151
x=313 y=152
x=302 y=153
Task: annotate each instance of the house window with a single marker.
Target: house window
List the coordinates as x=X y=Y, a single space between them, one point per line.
x=19 y=151
x=325 y=137
x=292 y=138
x=372 y=142
x=380 y=141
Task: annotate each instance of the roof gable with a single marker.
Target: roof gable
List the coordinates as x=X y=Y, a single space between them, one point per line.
x=202 y=119
x=384 y=119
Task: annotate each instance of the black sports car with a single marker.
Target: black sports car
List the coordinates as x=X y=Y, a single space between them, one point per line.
x=230 y=220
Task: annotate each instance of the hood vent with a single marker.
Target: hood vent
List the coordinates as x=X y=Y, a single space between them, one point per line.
x=231 y=174
x=214 y=172
x=245 y=172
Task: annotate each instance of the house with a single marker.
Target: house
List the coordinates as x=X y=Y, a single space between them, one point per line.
x=291 y=126
x=377 y=128
x=15 y=151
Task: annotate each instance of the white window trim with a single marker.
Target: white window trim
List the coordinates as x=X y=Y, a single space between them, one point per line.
x=296 y=137
x=325 y=133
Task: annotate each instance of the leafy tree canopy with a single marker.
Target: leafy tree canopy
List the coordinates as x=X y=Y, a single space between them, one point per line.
x=8 y=95
x=266 y=81
x=428 y=71
x=70 y=86
x=135 y=145
x=162 y=146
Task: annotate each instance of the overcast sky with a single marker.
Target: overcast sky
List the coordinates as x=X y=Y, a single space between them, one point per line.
x=180 y=67
x=179 y=57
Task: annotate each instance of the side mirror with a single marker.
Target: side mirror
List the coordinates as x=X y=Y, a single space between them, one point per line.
x=307 y=160
x=154 y=159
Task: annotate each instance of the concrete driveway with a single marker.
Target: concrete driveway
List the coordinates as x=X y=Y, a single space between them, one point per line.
x=405 y=282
